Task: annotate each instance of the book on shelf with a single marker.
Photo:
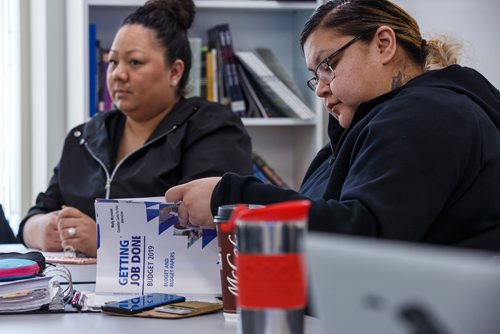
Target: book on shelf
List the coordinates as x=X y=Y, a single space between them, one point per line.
x=99 y=98
x=271 y=61
x=258 y=104
x=142 y=248
x=210 y=75
x=93 y=69
x=229 y=84
x=203 y=70
x=194 y=84
x=255 y=108
x=259 y=174
x=268 y=172
x=105 y=100
x=214 y=46
x=278 y=93
x=217 y=95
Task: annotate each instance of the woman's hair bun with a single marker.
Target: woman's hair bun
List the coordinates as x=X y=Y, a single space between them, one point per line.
x=182 y=11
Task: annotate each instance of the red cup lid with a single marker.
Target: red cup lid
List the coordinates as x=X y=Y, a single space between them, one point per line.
x=282 y=212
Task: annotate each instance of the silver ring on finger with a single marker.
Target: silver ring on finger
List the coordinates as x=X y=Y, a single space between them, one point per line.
x=72 y=232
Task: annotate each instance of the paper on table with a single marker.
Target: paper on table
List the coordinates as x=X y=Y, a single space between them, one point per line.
x=33 y=283
x=25 y=294
x=82 y=269
x=76 y=260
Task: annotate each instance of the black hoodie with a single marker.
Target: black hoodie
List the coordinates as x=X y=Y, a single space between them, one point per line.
x=420 y=163
x=196 y=139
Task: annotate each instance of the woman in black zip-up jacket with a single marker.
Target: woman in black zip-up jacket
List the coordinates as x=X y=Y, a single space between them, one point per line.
x=155 y=140
x=414 y=150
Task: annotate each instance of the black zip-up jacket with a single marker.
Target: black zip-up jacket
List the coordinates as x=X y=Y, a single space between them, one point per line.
x=420 y=163
x=196 y=139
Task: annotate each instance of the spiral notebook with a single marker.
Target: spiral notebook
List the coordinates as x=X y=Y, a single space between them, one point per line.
x=363 y=285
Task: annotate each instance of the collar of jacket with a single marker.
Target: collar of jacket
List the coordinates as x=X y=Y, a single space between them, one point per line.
x=102 y=129
x=337 y=134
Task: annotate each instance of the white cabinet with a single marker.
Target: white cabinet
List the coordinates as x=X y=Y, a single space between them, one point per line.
x=288 y=145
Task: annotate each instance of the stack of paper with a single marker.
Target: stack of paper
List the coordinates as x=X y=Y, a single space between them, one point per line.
x=82 y=269
x=25 y=294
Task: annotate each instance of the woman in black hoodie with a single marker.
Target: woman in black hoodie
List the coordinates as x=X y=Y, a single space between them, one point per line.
x=155 y=140
x=414 y=150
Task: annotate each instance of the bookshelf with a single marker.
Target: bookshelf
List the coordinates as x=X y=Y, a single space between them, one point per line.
x=288 y=145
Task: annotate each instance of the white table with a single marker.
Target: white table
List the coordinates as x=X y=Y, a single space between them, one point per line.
x=95 y=323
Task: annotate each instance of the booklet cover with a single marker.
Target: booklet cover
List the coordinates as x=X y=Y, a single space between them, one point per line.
x=141 y=248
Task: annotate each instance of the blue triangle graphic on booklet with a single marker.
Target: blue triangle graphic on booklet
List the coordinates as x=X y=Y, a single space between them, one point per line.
x=208 y=235
x=150 y=204
x=166 y=224
x=152 y=214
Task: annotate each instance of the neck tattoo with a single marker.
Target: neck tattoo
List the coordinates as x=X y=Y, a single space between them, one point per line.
x=397 y=80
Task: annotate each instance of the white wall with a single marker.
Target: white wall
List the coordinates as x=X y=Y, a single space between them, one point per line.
x=475 y=23
x=48 y=90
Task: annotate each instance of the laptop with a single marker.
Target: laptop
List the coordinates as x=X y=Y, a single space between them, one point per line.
x=362 y=285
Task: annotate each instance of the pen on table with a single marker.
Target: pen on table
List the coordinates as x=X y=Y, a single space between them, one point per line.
x=81 y=302
x=76 y=298
x=69 y=298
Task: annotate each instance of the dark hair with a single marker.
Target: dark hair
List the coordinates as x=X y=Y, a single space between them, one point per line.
x=170 y=20
x=354 y=17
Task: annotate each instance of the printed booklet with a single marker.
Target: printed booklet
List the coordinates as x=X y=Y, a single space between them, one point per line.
x=141 y=248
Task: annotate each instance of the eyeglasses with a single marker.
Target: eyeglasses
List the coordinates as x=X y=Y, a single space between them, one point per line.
x=324 y=70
